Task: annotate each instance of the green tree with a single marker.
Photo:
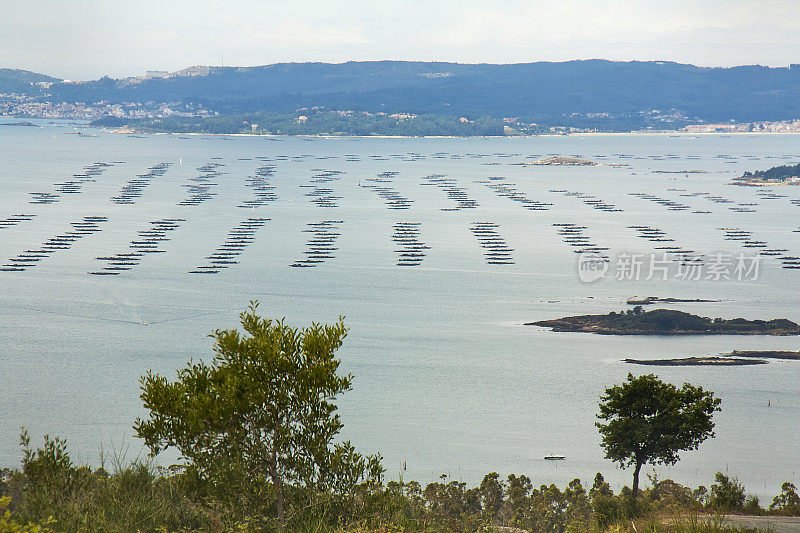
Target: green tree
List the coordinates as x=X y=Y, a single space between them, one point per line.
x=787 y=501
x=549 y=509
x=491 y=491
x=727 y=494
x=262 y=412
x=579 y=509
x=516 y=506
x=605 y=505
x=648 y=421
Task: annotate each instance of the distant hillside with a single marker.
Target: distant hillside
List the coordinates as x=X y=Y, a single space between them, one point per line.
x=575 y=92
x=607 y=95
x=22 y=81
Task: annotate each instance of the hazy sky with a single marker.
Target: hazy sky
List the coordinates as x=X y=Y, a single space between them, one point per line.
x=83 y=39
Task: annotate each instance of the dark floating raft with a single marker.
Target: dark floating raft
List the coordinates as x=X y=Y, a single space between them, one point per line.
x=148 y=242
x=15 y=220
x=592 y=201
x=237 y=240
x=575 y=235
x=30 y=258
x=683 y=256
x=411 y=250
x=200 y=186
x=759 y=247
x=671 y=205
x=453 y=191
x=133 y=190
x=263 y=190
x=393 y=199
x=498 y=252
x=323 y=196
x=73 y=185
x=509 y=190
x=324 y=236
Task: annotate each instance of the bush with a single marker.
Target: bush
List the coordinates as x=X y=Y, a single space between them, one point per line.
x=727 y=494
x=51 y=490
x=9 y=525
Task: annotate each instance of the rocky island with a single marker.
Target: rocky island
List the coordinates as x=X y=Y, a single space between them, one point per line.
x=650 y=300
x=666 y=322
x=780 y=175
x=697 y=361
x=563 y=161
x=734 y=358
x=766 y=354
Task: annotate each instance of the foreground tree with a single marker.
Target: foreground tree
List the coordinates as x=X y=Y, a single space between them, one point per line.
x=787 y=501
x=261 y=411
x=649 y=421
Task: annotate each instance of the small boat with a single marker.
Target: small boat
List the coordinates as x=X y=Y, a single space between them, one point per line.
x=554 y=457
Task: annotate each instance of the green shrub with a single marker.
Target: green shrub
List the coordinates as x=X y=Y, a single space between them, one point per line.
x=727 y=494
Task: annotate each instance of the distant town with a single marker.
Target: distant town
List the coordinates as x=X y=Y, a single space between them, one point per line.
x=27 y=107
x=23 y=106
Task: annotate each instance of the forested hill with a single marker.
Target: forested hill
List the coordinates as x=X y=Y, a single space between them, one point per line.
x=543 y=92
x=22 y=81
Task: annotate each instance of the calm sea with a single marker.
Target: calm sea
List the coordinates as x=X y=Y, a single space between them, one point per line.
x=434 y=250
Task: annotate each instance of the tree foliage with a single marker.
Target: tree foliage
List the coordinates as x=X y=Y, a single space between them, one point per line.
x=727 y=494
x=648 y=421
x=321 y=122
x=787 y=501
x=781 y=173
x=261 y=415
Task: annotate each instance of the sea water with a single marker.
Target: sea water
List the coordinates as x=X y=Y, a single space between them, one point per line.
x=447 y=379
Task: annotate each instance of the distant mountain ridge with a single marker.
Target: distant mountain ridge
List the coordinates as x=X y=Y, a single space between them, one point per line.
x=574 y=92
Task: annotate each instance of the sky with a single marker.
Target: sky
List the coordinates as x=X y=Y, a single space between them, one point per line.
x=87 y=39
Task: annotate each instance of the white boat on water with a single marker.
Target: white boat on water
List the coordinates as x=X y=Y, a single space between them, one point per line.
x=554 y=457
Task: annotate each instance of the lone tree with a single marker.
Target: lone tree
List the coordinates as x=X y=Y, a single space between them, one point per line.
x=261 y=413
x=649 y=421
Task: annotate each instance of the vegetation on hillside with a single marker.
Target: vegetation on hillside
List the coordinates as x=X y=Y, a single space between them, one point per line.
x=315 y=123
x=23 y=81
x=50 y=493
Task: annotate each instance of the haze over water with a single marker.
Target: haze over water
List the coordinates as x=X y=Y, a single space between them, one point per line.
x=446 y=377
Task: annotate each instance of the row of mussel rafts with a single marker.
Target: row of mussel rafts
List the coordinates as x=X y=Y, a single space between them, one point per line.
x=321 y=245
x=63 y=241
x=149 y=241
x=239 y=238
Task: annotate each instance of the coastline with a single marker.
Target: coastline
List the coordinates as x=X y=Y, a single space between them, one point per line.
x=532 y=136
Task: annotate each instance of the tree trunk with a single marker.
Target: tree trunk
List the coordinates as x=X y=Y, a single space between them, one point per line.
x=277 y=482
x=635 y=491
x=279 y=505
